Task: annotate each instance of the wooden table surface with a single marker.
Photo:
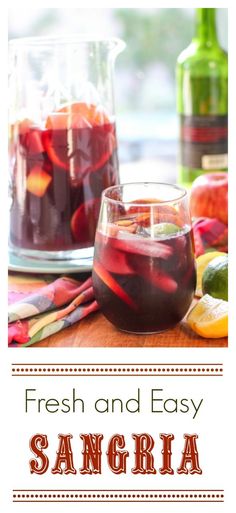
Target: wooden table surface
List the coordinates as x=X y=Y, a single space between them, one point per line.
x=96 y=331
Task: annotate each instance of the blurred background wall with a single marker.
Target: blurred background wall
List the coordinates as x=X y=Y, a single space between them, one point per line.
x=144 y=75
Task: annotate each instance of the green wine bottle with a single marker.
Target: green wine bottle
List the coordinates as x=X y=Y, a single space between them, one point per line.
x=202 y=102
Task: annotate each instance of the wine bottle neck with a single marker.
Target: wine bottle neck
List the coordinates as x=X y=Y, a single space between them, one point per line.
x=205 y=32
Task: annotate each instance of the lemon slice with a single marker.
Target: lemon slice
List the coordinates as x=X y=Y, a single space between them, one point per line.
x=209 y=317
x=202 y=262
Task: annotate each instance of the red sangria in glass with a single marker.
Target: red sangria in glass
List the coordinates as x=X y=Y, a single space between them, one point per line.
x=144 y=269
x=63 y=145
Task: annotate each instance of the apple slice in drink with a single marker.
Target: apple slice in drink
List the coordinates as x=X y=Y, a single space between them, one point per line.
x=131 y=243
x=112 y=284
x=156 y=276
x=115 y=261
x=33 y=142
x=38 y=181
x=30 y=136
x=159 y=279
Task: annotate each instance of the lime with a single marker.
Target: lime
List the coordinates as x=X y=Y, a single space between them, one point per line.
x=215 y=278
x=202 y=262
x=209 y=317
x=163 y=229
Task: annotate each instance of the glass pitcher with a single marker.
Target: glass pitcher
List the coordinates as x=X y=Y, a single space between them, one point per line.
x=63 y=145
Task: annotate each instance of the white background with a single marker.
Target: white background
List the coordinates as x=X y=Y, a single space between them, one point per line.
x=215 y=423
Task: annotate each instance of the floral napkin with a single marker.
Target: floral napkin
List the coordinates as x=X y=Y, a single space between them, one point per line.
x=209 y=234
x=40 y=307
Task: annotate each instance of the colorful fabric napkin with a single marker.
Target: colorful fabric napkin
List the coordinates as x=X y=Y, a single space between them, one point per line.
x=47 y=309
x=209 y=234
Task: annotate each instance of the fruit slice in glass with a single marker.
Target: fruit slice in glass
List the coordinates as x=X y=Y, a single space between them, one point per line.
x=112 y=284
x=38 y=181
x=30 y=136
x=79 y=137
x=83 y=221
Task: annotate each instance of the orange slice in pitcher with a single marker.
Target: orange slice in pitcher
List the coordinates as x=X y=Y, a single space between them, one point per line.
x=84 y=220
x=80 y=137
x=77 y=115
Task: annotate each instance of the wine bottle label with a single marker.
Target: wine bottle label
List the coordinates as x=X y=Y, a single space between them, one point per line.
x=215 y=161
x=204 y=142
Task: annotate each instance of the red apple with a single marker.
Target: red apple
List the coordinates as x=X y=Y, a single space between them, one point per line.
x=209 y=196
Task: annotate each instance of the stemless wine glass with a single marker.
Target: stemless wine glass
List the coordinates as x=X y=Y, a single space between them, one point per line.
x=63 y=146
x=144 y=270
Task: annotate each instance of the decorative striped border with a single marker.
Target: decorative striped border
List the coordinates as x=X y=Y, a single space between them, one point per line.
x=118 y=496
x=122 y=369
